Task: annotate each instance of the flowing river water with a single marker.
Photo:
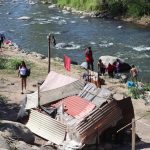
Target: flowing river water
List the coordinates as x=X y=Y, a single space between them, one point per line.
x=28 y=25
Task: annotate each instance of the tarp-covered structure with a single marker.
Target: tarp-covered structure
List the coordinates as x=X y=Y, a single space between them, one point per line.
x=72 y=115
x=56 y=86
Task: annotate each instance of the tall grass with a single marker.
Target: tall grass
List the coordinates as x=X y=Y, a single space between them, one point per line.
x=11 y=63
x=88 y=5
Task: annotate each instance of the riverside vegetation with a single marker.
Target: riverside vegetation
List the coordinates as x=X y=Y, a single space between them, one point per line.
x=135 y=8
x=136 y=11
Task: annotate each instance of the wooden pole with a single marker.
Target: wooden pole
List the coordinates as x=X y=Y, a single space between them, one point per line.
x=38 y=95
x=49 y=52
x=133 y=134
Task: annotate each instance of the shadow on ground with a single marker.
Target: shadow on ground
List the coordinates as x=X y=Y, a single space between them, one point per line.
x=8 y=111
x=139 y=146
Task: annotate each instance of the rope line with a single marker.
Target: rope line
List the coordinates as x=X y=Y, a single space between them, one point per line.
x=131 y=123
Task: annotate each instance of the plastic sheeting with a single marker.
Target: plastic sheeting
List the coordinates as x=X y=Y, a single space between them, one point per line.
x=55 y=80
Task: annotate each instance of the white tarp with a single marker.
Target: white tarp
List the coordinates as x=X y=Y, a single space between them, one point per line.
x=55 y=80
x=32 y=100
x=109 y=59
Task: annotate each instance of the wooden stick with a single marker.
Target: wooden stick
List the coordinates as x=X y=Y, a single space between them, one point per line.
x=133 y=134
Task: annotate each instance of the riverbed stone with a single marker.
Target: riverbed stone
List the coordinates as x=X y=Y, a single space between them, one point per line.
x=40 y=56
x=16 y=131
x=20 y=145
x=3 y=144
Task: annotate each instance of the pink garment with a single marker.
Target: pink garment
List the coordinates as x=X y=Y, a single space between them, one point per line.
x=67 y=62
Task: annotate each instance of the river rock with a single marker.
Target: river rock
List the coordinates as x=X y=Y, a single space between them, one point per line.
x=111 y=59
x=24 y=18
x=20 y=145
x=16 y=131
x=40 y=56
x=3 y=144
x=52 y=6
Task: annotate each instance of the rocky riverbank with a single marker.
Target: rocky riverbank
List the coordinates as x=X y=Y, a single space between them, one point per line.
x=143 y=21
x=10 y=99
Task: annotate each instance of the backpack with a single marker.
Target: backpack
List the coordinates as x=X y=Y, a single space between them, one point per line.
x=28 y=72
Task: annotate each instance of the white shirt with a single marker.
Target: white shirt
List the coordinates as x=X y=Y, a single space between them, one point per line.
x=22 y=71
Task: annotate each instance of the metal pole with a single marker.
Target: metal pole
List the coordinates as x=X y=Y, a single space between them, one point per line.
x=49 y=52
x=133 y=134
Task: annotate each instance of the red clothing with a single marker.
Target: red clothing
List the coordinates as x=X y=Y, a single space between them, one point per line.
x=67 y=62
x=110 y=68
x=88 y=55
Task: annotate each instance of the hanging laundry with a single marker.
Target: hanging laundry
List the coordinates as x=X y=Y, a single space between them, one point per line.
x=67 y=62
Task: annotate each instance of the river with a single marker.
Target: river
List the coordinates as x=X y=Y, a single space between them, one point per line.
x=106 y=37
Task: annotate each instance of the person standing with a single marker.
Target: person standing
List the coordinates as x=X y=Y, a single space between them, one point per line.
x=117 y=66
x=134 y=73
x=89 y=58
x=110 y=70
x=101 y=67
x=2 y=38
x=53 y=40
x=23 y=75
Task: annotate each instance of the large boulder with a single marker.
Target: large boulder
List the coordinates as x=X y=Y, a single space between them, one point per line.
x=112 y=59
x=3 y=144
x=20 y=145
x=109 y=59
x=16 y=131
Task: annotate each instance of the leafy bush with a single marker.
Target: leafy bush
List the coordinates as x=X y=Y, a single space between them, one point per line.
x=134 y=8
x=10 y=63
x=3 y=99
x=135 y=93
x=3 y=62
x=116 y=8
x=13 y=63
x=81 y=4
x=147 y=86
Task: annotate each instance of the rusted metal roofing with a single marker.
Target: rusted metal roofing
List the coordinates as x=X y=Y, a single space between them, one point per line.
x=46 y=127
x=76 y=106
x=99 y=119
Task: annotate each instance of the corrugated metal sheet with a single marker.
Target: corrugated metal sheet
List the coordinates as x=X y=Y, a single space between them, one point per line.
x=98 y=96
x=76 y=106
x=99 y=119
x=46 y=127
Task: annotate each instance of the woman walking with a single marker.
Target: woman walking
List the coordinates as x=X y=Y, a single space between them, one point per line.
x=23 y=75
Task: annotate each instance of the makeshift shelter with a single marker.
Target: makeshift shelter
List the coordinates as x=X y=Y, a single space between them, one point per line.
x=56 y=86
x=72 y=115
